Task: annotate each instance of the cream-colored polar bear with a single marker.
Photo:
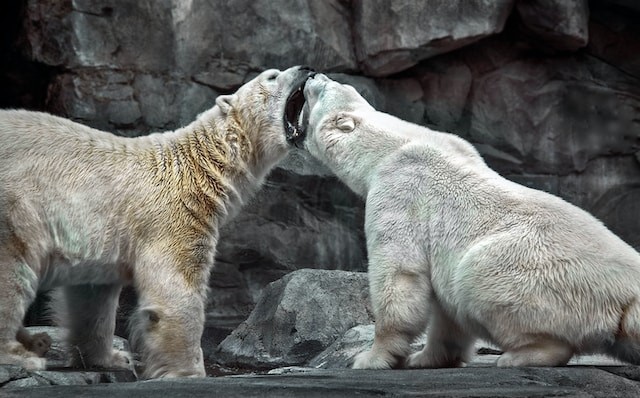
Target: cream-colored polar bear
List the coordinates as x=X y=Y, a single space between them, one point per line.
x=89 y=211
x=455 y=246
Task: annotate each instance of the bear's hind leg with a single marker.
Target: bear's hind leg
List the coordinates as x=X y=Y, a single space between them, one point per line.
x=545 y=352
x=39 y=343
x=626 y=346
x=18 y=284
x=447 y=345
x=89 y=312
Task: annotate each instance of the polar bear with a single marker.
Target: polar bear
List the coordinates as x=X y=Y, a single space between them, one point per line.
x=454 y=246
x=87 y=211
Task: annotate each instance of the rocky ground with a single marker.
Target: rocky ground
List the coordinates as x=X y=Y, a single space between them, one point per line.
x=477 y=380
x=300 y=340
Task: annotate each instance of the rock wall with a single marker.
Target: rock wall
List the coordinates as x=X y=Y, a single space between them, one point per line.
x=548 y=90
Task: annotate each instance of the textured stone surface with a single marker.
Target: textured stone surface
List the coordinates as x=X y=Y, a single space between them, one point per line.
x=391 y=36
x=615 y=35
x=14 y=377
x=191 y=37
x=561 y=24
x=297 y=317
x=213 y=35
x=531 y=115
x=128 y=102
x=294 y=222
x=341 y=352
x=606 y=382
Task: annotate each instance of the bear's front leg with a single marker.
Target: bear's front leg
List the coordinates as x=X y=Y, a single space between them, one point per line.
x=167 y=328
x=399 y=286
x=448 y=346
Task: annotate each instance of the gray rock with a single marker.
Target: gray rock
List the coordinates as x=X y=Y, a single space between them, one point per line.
x=614 y=35
x=11 y=372
x=609 y=189
x=391 y=36
x=341 y=353
x=129 y=103
x=262 y=35
x=606 y=382
x=89 y=33
x=12 y=376
x=548 y=116
x=319 y=213
x=560 y=24
x=27 y=382
x=68 y=378
x=539 y=116
x=297 y=317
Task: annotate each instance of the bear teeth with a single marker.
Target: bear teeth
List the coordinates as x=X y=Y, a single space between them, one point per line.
x=293 y=115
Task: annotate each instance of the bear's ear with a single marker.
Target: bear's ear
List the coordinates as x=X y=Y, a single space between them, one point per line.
x=345 y=123
x=225 y=102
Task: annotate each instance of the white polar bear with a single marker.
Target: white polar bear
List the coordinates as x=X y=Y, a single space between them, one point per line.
x=89 y=211
x=455 y=246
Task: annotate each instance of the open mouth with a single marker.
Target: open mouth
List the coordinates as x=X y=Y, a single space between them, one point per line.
x=294 y=118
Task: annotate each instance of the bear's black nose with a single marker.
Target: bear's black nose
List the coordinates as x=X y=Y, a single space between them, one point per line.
x=307 y=68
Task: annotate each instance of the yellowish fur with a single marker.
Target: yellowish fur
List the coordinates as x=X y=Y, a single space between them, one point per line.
x=87 y=211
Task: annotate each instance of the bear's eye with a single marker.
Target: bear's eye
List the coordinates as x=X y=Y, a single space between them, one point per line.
x=272 y=77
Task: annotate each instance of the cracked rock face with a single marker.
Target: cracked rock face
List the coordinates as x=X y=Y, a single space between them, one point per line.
x=395 y=35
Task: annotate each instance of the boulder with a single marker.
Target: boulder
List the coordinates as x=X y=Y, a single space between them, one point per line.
x=609 y=188
x=391 y=36
x=559 y=24
x=222 y=35
x=555 y=116
x=191 y=37
x=98 y=34
x=341 y=353
x=532 y=115
x=127 y=102
x=296 y=318
x=15 y=377
x=614 y=35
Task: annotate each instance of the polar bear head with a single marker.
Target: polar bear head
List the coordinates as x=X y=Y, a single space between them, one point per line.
x=258 y=112
x=341 y=129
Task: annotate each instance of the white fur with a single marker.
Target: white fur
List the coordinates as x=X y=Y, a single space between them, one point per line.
x=455 y=246
x=87 y=211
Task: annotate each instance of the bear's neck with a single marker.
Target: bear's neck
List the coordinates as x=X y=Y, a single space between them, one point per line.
x=208 y=165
